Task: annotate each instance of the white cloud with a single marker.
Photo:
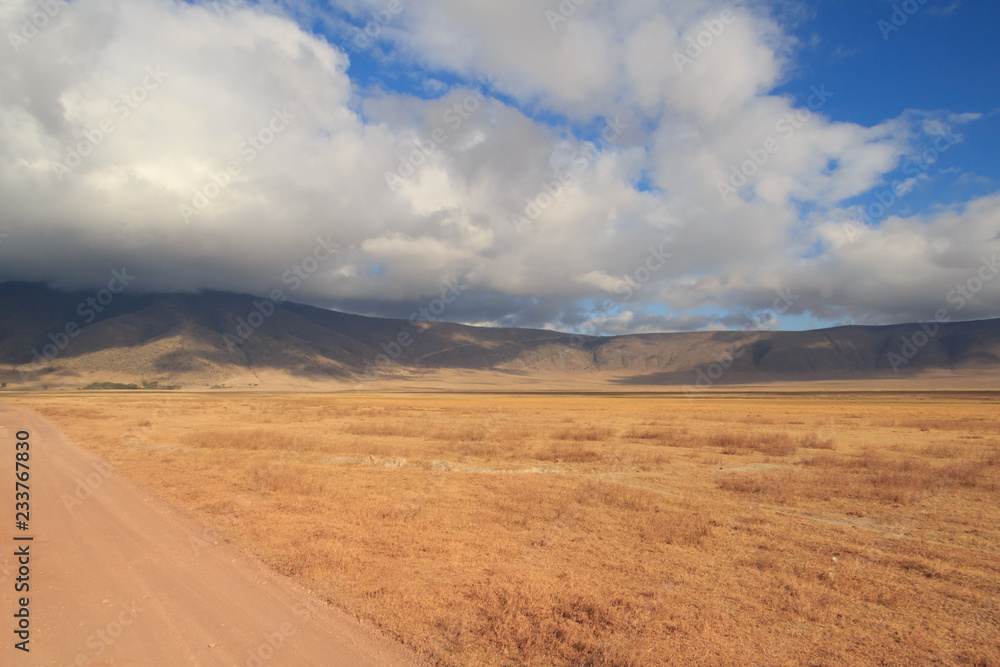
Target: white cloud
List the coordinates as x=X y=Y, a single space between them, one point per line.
x=230 y=71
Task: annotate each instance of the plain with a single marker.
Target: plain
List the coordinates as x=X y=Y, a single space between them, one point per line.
x=597 y=529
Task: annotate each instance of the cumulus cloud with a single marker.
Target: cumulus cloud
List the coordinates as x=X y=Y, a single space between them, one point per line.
x=543 y=166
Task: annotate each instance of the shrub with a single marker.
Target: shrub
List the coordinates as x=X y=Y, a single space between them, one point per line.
x=815 y=441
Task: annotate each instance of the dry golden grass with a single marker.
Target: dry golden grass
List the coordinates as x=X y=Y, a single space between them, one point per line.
x=599 y=530
x=816 y=441
x=774 y=444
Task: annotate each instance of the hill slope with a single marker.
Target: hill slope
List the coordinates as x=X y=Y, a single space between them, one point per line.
x=223 y=339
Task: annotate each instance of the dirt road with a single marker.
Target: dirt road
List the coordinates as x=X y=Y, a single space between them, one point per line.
x=118 y=577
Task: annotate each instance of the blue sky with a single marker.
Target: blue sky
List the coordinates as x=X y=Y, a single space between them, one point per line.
x=943 y=58
x=946 y=56
x=670 y=225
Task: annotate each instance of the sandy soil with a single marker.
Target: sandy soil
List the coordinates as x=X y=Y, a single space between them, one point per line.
x=118 y=577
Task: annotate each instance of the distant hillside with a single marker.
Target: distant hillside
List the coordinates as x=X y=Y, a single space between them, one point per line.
x=216 y=339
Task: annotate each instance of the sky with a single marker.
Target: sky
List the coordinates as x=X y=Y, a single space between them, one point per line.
x=582 y=165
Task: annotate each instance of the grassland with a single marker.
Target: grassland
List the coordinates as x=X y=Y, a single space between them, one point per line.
x=772 y=529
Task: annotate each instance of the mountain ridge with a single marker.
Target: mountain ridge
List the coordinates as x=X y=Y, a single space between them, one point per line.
x=224 y=339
